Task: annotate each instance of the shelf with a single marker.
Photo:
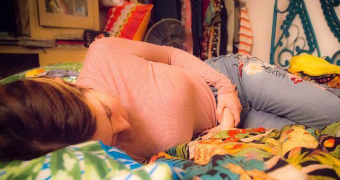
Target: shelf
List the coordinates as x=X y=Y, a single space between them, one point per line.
x=49 y=55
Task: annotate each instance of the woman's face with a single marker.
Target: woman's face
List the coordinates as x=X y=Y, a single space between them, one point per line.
x=110 y=115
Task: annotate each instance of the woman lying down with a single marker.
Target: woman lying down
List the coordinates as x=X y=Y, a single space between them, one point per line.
x=145 y=98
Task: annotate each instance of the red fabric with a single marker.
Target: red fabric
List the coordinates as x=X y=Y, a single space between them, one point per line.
x=113 y=10
x=124 y=21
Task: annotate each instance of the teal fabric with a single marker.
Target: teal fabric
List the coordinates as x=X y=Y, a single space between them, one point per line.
x=90 y=160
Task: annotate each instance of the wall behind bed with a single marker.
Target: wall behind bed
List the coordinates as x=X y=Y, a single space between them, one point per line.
x=261 y=17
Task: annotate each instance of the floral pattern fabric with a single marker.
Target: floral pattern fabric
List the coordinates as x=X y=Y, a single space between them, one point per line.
x=294 y=152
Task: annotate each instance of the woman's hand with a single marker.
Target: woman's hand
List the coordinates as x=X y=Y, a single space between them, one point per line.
x=227 y=123
x=228 y=120
x=232 y=102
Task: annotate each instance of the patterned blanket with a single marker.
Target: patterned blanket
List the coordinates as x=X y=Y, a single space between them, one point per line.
x=294 y=152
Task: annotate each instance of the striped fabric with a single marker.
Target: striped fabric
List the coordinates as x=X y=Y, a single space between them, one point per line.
x=186 y=21
x=128 y=21
x=246 y=33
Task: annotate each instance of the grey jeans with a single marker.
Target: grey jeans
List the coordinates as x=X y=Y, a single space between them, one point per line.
x=272 y=98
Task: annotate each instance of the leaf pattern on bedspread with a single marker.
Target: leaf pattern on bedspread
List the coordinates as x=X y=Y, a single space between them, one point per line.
x=90 y=160
x=294 y=152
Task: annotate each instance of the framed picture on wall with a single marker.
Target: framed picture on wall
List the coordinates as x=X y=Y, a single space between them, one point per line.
x=66 y=13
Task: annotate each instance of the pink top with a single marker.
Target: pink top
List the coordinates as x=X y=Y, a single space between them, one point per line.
x=164 y=90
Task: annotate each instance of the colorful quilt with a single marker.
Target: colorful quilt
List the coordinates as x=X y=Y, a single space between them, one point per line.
x=294 y=152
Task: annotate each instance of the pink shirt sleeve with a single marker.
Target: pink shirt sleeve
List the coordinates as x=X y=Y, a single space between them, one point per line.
x=172 y=56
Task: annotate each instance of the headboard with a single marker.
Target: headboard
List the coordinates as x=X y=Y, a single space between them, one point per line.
x=290 y=41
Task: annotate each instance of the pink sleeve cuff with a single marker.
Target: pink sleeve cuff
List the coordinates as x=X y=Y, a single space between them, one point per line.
x=224 y=85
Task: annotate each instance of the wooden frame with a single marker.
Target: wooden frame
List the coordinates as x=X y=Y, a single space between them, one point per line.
x=60 y=17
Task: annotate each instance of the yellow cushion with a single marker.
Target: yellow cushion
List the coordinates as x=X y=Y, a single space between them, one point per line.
x=312 y=65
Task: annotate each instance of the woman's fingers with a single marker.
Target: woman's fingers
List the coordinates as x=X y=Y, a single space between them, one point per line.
x=219 y=112
x=236 y=115
x=228 y=120
x=232 y=102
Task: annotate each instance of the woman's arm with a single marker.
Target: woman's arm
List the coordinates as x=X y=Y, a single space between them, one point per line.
x=171 y=56
x=180 y=58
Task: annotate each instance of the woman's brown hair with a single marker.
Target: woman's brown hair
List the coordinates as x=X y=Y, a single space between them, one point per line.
x=41 y=115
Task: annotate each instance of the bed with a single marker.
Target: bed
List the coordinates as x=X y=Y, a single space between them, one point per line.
x=293 y=152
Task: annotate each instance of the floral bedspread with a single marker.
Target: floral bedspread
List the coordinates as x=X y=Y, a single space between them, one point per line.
x=294 y=152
